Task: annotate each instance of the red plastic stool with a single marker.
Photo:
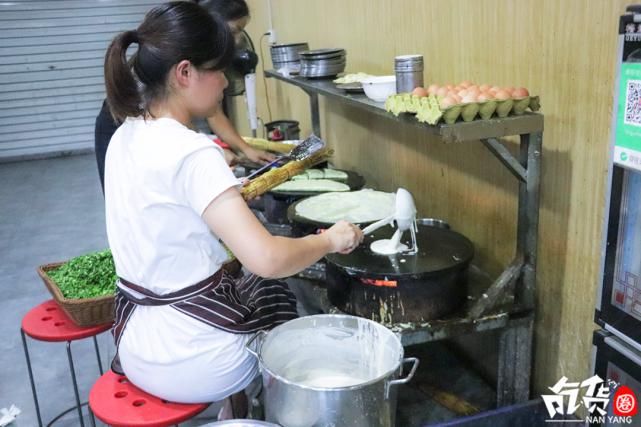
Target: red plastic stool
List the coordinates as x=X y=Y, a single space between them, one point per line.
x=48 y=322
x=117 y=402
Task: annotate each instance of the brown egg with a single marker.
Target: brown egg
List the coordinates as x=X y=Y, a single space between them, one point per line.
x=483 y=97
x=446 y=102
x=508 y=89
x=449 y=86
x=462 y=93
x=432 y=89
x=441 y=92
x=484 y=87
x=469 y=98
x=466 y=83
x=474 y=89
x=420 y=91
x=502 y=94
x=456 y=98
x=520 y=92
x=494 y=89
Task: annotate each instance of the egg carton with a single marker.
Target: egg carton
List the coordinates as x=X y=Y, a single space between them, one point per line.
x=428 y=110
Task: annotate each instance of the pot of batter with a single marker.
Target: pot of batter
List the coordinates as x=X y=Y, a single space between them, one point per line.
x=328 y=369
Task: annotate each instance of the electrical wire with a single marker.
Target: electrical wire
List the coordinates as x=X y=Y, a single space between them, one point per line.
x=262 y=65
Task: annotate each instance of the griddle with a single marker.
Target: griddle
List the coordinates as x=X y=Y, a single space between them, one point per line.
x=354 y=181
x=439 y=250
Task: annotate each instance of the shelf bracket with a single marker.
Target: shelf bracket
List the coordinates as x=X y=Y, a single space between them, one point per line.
x=505 y=157
x=315 y=112
x=488 y=300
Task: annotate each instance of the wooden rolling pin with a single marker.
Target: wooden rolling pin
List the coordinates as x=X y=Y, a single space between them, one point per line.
x=276 y=176
x=263 y=144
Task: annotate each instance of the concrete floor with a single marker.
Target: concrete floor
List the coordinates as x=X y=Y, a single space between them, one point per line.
x=52 y=210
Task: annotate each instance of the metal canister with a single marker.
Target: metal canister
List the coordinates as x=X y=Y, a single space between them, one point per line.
x=409 y=72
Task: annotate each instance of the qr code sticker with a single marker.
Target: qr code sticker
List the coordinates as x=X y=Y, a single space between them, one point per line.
x=633 y=103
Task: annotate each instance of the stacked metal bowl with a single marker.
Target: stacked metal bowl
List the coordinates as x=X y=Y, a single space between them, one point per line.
x=287 y=55
x=322 y=62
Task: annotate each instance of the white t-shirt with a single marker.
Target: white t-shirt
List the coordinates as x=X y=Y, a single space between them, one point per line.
x=159 y=178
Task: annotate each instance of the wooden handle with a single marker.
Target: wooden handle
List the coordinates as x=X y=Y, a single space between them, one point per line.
x=263 y=144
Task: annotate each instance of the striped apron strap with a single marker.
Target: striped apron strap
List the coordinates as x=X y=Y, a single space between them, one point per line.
x=252 y=304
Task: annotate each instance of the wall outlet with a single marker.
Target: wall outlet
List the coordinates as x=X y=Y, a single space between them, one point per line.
x=272 y=36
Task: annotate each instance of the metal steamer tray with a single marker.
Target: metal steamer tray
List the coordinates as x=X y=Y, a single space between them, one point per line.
x=402 y=288
x=322 y=63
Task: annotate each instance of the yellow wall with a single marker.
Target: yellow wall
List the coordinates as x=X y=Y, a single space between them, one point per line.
x=562 y=50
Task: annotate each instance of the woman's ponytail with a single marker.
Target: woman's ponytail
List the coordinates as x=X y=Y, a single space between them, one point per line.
x=123 y=96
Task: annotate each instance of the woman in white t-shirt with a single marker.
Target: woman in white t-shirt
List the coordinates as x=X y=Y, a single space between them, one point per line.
x=181 y=322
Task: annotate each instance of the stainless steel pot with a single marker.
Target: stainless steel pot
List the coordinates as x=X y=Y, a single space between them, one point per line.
x=331 y=370
x=240 y=423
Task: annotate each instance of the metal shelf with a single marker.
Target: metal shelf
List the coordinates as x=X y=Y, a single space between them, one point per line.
x=458 y=132
x=517 y=282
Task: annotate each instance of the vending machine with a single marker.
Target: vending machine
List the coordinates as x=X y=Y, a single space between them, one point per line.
x=617 y=347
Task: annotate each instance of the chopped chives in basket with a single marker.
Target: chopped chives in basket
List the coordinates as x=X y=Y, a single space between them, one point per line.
x=87 y=276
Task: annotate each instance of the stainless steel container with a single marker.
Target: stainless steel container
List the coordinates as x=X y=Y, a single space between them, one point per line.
x=322 y=62
x=240 y=423
x=331 y=370
x=409 y=72
x=287 y=55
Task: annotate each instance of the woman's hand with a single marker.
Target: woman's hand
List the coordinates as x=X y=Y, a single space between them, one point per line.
x=258 y=156
x=344 y=237
x=230 y=157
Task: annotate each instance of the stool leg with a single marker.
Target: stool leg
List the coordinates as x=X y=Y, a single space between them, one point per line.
x=92 y=418
x=75 y=383
x=95 y=344
x=33 y=385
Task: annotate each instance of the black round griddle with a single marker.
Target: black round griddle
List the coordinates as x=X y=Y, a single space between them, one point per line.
x=400 y=287
x=439 y=250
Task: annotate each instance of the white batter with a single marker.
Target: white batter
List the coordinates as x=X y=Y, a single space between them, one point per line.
x=387 y=247
x=354 y=206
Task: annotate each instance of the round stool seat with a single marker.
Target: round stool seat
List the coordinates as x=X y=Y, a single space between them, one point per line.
x=117 y=402
x=48 y=322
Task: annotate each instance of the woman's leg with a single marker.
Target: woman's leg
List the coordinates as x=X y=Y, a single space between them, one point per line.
x=235 y=406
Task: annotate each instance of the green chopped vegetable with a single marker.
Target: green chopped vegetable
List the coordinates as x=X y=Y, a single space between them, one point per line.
x=87 y=276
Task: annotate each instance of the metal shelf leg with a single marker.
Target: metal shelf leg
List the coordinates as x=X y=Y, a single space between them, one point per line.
x=515 y=360
x=528 y=218
x=315 y=112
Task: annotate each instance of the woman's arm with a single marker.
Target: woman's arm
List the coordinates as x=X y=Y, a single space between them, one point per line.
x=272 y=256
x=224 y=129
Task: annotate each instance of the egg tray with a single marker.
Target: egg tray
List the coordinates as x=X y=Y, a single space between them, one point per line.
x=428 y=110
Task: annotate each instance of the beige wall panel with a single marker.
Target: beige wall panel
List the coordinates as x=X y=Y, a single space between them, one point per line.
x=563 y=51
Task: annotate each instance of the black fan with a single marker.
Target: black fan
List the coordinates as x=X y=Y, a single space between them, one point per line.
x=243 y=63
